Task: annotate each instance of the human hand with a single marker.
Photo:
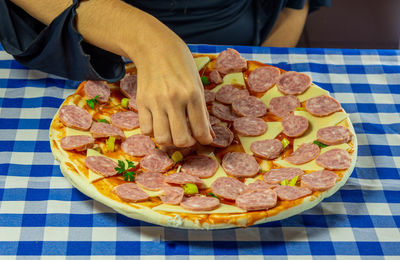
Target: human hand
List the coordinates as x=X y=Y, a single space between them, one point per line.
x=170 y=95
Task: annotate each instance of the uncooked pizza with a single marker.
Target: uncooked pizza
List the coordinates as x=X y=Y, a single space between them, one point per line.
x=282 y=144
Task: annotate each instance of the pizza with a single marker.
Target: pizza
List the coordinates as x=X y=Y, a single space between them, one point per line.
x=282 y=144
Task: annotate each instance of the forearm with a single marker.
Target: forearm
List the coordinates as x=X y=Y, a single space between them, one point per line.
x=288 y=28
x=109 y=24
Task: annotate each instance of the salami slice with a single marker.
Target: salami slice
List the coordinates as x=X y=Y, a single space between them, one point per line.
x=138 y=145
x=305 y=153
x=209 y=96
x=223 y=136
x=183 y=178
x=335 y=159
x=228 y=188
x=215 y=77
x=260 y=185
x=101 y=165
x=101 y=130
x=157 y=161
x=257 y=200
x=333 y=135
x=249 y=126
x=130 y=192
x=214 y=120
x=319 y=180
x=150 y=180
x=267 y=149
x=228 y=93
x=275 y=176
x=230 y=61
x=128 y=86
x=282 y=106
x=263 y=78
x=240 y=165
x=132 y=104
x=77 y=142
x=294 y=126
x=197 y=203
x=293 y=83
x=291 y=192
x=127 y=120
x=75 y=117
x=200 y=166
x=97 y=88
x=249 y=106
x=172 y=195
x=322 y=106
x=222 y=112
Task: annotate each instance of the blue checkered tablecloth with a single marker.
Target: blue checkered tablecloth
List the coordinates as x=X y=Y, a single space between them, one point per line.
x=41 y=214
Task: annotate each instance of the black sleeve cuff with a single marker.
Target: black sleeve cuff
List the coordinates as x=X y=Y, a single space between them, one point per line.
x=58 y=48
x=313 y=4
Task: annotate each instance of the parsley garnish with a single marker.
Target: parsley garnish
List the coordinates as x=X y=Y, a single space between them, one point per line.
x=103 y=121
x=205 y=80
x=129 y=176
x=321 y=145
x=127 y=172
x=212 y=195
x=92 y=102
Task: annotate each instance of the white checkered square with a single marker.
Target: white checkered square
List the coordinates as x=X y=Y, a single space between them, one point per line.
x=104 y=234
x=58 y=207
x=379 y=209
x=341 y=234
x=12 y=207
x=10 y=233
x=24 y=158
x=388 y=234
x=55 y=234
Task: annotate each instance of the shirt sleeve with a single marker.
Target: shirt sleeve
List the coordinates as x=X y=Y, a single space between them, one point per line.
x=313 y=4
x=57 y=48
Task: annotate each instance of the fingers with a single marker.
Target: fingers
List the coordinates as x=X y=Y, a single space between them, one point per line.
x=145 y=121
x=161 y=130
x=200 y=125
x=181 y=134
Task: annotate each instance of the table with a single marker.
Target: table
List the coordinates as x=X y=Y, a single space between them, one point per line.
x=41 y=214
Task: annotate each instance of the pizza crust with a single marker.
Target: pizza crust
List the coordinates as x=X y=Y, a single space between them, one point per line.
x=178 y=220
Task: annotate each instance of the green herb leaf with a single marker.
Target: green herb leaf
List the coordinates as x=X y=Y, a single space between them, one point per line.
x=321 y=145
x=205 y=80
x=121 y=167
x=129 y=176
x=204 y=69
x=92 y=102
x=131 y=164
x=212 y=195
x=103 y=121
x=127 y=172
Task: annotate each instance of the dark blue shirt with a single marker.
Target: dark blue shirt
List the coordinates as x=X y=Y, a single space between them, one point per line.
x=59 y=49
